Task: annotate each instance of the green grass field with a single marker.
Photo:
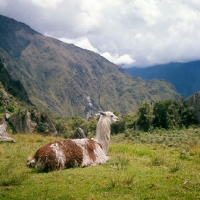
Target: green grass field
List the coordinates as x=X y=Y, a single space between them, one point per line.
x=135 y=171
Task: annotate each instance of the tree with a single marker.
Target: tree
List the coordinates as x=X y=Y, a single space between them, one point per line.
x=187 y=115
x=166 y=114
x=118 y=128
x=145 y=116
x=173 y=114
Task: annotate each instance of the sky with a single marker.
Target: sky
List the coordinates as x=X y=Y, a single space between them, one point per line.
x=129 y=33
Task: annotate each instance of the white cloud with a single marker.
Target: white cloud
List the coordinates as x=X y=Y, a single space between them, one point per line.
x=119 y=60
x=81 y=42
x=85 y=44
x=46 y=3
x=138 y=32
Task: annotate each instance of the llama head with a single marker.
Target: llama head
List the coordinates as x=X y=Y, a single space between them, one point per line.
x=111 y=116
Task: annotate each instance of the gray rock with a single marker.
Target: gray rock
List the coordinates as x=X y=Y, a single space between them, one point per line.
x=7 y=116
x=79 y=134
x=22 y=122
x=3 y=134
x=29 y=121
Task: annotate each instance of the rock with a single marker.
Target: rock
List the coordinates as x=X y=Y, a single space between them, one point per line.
x=90 y=108
x=7 y=116
x=22 y=122
x=44 y=123
x=80 y=133
x=28 y=121
x=3 y=134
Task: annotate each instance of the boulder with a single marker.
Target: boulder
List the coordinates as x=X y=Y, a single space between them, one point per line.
x=3 y=134
x=79 y=133
x=44 y=123
x=22 y=122
x=28 y=121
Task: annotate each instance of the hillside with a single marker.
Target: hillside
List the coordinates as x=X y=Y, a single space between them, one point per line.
x=13 y=87
x=184 y=76
x=66 y=80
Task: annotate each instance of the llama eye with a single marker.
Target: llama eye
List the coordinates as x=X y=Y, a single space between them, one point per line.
x=111 y=115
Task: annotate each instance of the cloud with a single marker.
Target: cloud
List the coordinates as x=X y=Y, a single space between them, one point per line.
x=130 y=32
x=119 y=60
x=81 y=42
x=85 y=44
x=3 y=3
x=46 y=3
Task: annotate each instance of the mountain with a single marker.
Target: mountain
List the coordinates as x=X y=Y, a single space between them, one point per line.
x=13 y=87
x=66 y=80
x=184 y=76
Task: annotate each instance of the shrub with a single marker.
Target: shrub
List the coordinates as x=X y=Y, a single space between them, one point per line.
x=42 y=127
x=184 y=155
x=120 y=162
x=118 y=128
x=176 y=166
x=10 y=108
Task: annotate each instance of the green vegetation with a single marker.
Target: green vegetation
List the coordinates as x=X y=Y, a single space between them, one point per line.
x=150 y=118
x=135 y=170
x=66 y=128
x=167 y=114
x=8 y=102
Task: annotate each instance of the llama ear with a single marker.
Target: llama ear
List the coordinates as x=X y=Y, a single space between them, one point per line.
x=102 y=113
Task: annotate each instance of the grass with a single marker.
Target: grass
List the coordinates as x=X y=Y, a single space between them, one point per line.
x=134 y=171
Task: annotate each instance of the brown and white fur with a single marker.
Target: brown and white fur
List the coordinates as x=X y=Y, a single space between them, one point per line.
x=76 y=152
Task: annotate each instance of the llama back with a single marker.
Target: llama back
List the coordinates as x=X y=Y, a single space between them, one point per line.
x=93 y=153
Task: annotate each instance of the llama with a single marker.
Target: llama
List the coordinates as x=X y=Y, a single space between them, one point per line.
x=84 y=152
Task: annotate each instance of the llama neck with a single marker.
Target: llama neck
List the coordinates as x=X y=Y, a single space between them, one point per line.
x=103 y=133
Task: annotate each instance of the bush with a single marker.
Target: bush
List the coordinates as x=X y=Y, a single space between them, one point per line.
x=176 y=166
x=10 y=108
x=118 y=128
x=158 y=160
x=42 y=127
x=67 y=127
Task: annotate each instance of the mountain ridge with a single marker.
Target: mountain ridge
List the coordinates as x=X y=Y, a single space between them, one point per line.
x=184 y=76
x=63 y=79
